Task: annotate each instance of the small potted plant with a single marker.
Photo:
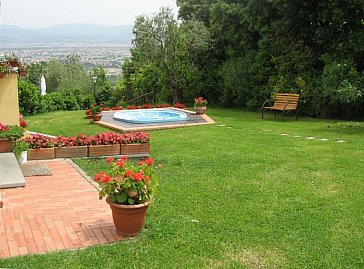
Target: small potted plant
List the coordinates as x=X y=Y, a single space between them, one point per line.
x=96 y=112
x=22 y=122
x=13 y=62
x=3 y=70
x=88 y=113
x=130 y=189
x=22 y=70
x=200 y=105
x=20 y=150
x=9 y=134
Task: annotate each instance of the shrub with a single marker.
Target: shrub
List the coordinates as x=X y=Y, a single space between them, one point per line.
x=29 y=98
x=87 y=100
x=341 y=94
x=47 y=103
x=70 y=99
x=340 y=84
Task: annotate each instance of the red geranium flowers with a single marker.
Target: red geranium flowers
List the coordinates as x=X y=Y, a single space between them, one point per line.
x=127 y=183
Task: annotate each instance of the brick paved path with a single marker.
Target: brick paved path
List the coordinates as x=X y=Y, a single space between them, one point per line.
x=52 y=213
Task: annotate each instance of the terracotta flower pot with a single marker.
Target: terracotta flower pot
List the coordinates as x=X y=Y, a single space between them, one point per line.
x=200 y=110
x=129 y=219
x=14 y=63
x=22 y=73
x=96 y=117
x=5 y=145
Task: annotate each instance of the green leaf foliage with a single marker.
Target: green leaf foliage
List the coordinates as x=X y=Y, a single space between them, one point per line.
x=263 y=47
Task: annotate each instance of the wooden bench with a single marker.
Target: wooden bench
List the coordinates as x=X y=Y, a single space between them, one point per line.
x=283 y=102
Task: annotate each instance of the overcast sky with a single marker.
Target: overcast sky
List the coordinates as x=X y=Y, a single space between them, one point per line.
x=43 y=13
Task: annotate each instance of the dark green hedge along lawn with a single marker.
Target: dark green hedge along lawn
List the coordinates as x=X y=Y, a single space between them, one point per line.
x=237 y=196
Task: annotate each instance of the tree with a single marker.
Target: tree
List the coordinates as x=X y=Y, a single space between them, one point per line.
x=69 y=75
x=168 y=51
x=35 y=72
x=103 y=86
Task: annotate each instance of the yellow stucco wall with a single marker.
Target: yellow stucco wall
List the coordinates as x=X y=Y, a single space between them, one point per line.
x=9 y=104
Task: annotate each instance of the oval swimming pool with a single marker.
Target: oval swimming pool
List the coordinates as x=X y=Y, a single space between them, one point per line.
x=154 y=115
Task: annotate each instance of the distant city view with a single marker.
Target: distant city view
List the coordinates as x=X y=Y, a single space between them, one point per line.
x=109 y=56
x=96 y=45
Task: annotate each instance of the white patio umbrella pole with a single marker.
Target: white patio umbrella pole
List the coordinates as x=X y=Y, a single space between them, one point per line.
x=43 y=86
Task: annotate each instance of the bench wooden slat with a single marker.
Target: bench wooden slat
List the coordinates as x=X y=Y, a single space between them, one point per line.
x=283 y=102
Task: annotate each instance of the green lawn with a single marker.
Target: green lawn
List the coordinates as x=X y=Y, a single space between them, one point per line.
x=248 y=194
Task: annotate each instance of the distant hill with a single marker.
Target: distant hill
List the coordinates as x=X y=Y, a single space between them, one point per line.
x=67 y=33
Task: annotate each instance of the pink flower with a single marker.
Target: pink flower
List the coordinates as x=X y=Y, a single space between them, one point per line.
x=149 y=161
x=138 y=177
x=106 y=179
x=128 y=173
x=99 y=176
x=120 y=163
x=110 y=160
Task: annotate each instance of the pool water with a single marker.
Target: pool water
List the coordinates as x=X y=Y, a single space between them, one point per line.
x=154 y=115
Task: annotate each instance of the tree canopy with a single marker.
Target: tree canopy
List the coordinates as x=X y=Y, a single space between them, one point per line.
x=165 y=57
x=260 y=47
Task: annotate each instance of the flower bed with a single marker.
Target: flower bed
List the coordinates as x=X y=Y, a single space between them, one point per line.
x=102 y=144
x=69 y=147
x=40 y=147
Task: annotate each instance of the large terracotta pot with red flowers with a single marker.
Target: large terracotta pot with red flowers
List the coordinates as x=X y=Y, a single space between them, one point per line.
x=129 y=189
x=129 y=219
x=200 y=105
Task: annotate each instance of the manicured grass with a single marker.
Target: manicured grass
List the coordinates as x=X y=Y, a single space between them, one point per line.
x=63 y=123
x=248 y=194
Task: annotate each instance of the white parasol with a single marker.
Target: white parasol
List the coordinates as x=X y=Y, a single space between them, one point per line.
x=43 y=86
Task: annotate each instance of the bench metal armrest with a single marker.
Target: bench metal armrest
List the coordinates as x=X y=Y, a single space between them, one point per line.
x=266 y=101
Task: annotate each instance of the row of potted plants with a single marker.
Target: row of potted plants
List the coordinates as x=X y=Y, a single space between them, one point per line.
x=102 y=144
x=11 y=64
